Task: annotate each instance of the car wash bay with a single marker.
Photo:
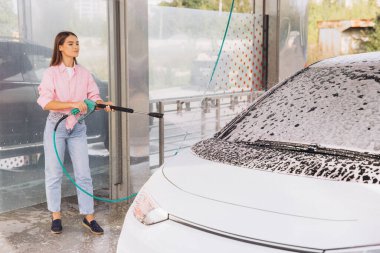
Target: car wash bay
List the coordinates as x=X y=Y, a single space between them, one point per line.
x=132 y=49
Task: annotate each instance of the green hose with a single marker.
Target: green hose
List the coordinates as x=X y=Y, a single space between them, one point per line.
x=224 y=38
x=80 y=188
x=91 y=108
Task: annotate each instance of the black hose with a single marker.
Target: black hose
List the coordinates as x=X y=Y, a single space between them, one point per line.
x=59 y=121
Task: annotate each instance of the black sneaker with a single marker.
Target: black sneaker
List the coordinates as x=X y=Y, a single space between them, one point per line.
x=93 y=226
x=56 y=226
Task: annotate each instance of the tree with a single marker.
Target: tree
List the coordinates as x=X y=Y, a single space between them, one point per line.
x=8 y=19
x=243 y=6
x=373 y=43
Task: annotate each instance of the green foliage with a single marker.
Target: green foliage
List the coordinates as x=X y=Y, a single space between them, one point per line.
x=243 y=6
x=373 y=43
x=335 y=10
x=8 y=19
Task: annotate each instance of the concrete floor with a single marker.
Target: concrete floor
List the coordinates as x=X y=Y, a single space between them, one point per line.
x=28 y=229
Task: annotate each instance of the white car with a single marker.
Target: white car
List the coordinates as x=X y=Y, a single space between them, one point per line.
x=297 y=171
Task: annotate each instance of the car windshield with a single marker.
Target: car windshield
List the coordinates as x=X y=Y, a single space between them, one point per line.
x=334 y=104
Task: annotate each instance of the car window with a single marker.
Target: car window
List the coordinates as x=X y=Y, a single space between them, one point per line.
x=40 y=63
x=39 y=59
x=332 y=104
x=10 y=62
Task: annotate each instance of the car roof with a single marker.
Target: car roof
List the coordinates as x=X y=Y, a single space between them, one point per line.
x=15 y=40
x=350 y=60
x=14 y=46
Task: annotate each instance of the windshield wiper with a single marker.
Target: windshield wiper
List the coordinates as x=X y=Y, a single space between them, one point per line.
x=310 y=148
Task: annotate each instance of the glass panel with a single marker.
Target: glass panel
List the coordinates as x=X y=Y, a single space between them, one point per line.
x=27 y=37
x=138 y=93
x=292 y=37
x=183 y=48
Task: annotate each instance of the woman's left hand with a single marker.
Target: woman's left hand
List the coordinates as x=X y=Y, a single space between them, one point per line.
x=107 y=108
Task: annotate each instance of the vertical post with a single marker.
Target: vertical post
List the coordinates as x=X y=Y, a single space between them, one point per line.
x=232 y=102
x=138 y=91
x=161 y=134
x=129 y=139
x=116 y=12
x=24 y=10
x=217 y=114
x=203 y=116
x=273 y=40
x=179 y=106
x=265 y=51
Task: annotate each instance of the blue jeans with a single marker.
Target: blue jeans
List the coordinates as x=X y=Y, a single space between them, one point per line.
x=76 y=142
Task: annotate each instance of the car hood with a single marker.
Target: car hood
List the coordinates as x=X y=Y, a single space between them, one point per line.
x=274 y=207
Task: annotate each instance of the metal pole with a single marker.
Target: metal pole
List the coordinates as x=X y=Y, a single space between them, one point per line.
x=24 y=10
x=117 y=57
x=232 y=102
x=204 y=108
x=179 y=106
x=161 y=136
x=217 y=112
x=265 y=51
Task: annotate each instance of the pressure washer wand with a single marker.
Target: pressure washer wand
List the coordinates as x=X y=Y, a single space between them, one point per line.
x=116 y=108
x=129 y=110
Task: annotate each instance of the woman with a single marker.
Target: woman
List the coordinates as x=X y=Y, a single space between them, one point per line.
x=65 y=86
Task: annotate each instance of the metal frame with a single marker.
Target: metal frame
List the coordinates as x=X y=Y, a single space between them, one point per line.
x=206 y=103
x=118 y=91
x=128 y=68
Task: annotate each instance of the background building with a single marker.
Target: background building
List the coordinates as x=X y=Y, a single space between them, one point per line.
x=338 y=37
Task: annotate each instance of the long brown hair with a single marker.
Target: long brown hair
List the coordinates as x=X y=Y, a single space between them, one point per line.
x=56 y=58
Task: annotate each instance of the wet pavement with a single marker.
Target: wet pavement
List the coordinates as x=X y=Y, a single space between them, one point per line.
x=28 y=229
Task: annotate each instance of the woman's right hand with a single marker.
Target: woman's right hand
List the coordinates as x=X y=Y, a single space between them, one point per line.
x=81 y=106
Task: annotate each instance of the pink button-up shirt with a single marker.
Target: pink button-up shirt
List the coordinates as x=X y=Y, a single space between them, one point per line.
x=58 y=86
